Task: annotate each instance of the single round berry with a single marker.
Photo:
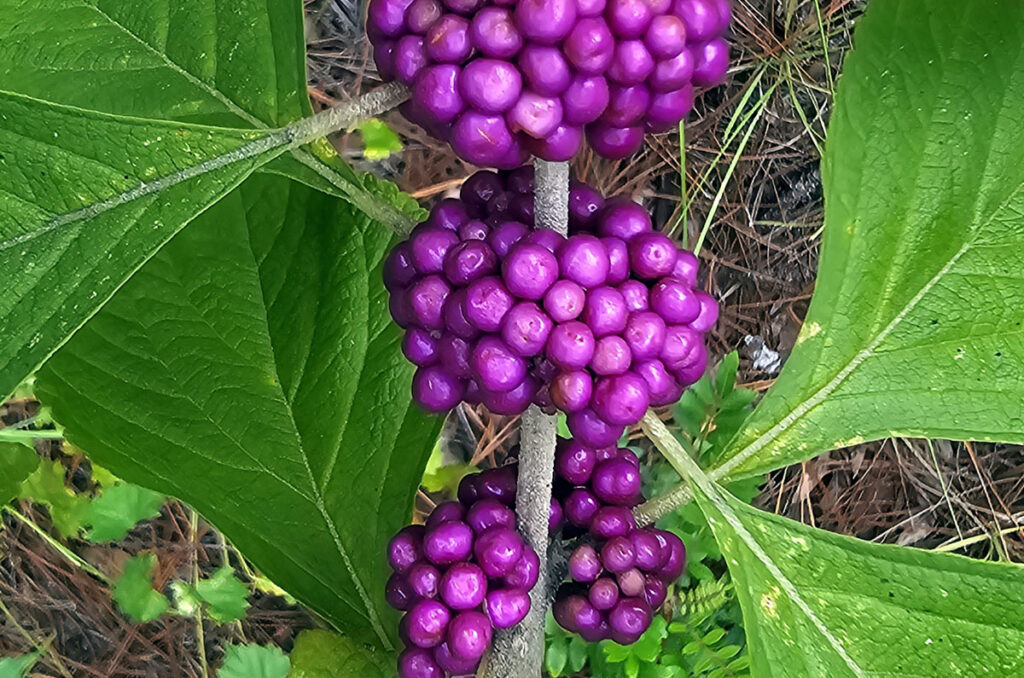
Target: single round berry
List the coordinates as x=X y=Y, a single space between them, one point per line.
x=571 y=391
x=615 y=142
x=584 y=205
x=628 y=620
x=398 y=593
x=529 y=270
x=585 y=564
x=487 y=302
x=616 y=481
x=636 y=295
x=426 y=301
x=574 y=462
x=416 y=662
x=632 y=582
x=488 y=513
x=700 y=16
x=503 y=237
x=445 y=512
x=545 y=21
x=571 y=345
x=630 y=65
x=564 y=300
x=437 y=390
x=584 y=260
x=708 y=315
x=666 y=36
x=498 y=483
x=535 y=114
x=682 y=345
x=624 y=219
x=605 y=311
x=448 y=543
x=420 y=347
x=399 y=269
x=410 y=58
x=585 y=99
x=603 y=593
x=426 y=623
x=463 y=586
x=454 y=665
x=652 y=255
x=496 y=367
x=613 y=521
x=559 y=146
x=590 y=429
x=645 y=335
x=628 y=18
x=469 y=635
x=618 y=555
x=711 y=64
x=580 y=507
x=627 y=105
x=611 y=356
x=493 y=32
x=497 y=551
x=675 y=560
x=650 y=555
x=455 y=321
x=436 y=93
x=490 y=85
x=672 y=74
x=468 y=261
x=668 y=108
x=545 y=70
x=447 y=41
x=655 y=592
x=482 y=138
x=424 y=579
x=674 y=301
x=662 y=387
x=507 y=607
x=590 y=46
x=525 y=572
x=421 y=15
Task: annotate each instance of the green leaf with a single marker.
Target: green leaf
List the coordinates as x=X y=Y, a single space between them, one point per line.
x=379 y=140
x=17 y=462
x=322 y=654
x=112 y=514
x=254 y=661
x=821 y=604
x=915 y=326
x=17 y=667
x=239 y=64
x=252 y=370
x=225 y=596
x=85 y=199
x=46 y=486
x=134 y=592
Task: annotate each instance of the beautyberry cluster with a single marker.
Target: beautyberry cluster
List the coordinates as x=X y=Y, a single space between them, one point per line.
x=618 y=573
x=463 y=574
x=502 y=78
x=600 y=325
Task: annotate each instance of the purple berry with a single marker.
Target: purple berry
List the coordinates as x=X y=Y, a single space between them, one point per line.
x=700 y=16
x=666 y=36
x=482 y=138
x=436 y=389
x=496 y=366
x=631 y=582
x=468 y=261
x=488 y=513
x=559 y=146
x=652 y=255
x=584 y=205
x=399 y=269
x=708 y=315
x=556 y=517
x=421 y=15
x=525 y=572
x=655 y=592
x=512 y=402
x=546 y=238
x=416 y=662
x=618 y=554
x=487 y=302
x=590 y=46
x=694 y=368
x=469 y=635
x=445 y=512
x=535 y=115
x=628 y=620
x=419 y=347
x=463 y=587
x=605 y=311
x=613 y=521
x=674 y=301
x=585 y=100
x=616 y=482
x=711 y=63
x=526 y=329
x=424 y=579
x=626 y=105
x=574 y=462
x=448 y=214
x=448 y=543
x=672 y=74
x=521 y=180
x=384 y=58
x=426 y=623
x=529 y=270
x=686 y=267
x=566 y=610
x=455 y=320
x=469 y=489
x=580 y=507
x=437 y=93
x=603 y=594
x=586 y=8
x=447 y=41
x=571 y=391
x=628 y=18
x=410 y=58
x=618 y=260
x=545 y=69
x=387 y=17
x=398 y=593
x=631 y=64
x=545 y=21
x=505 y=235
x=611 y=356
x=584 y=260
x=490 y=85
x=675 y=560
x=499 y=483
x=507 y=607
x=571 y=345
x=452 y=664
x=564 y=301
x=662 y=388
x=591 y=429
x=682 y=346
x=493 y=32
x=636 y=295
x=645 y=335
x=624 y=219
x=498 y=550
x=428 y=247
x=479 y=188
x=649 y=553
x=615 y=142
x=584 y=564
x=465 y=7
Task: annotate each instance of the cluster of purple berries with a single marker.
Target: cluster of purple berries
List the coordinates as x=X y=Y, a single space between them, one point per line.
x=499 y=79
x=463 y=574
x=599 y=325
x=618 y=573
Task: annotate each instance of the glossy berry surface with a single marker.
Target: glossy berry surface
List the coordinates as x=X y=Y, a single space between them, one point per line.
x=500 y=80
x=601 y=324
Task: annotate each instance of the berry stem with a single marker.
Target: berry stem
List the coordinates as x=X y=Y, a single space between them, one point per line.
x=519 y=651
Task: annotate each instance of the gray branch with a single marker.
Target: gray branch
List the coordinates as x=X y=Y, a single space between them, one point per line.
x=519 y=652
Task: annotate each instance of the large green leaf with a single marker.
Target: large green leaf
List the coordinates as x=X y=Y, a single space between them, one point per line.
x=820 y=605
x=322 y=654
x=85 y=199
x=17 y=462
x=251 y=369
x=239 y=64
x=916 y=327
